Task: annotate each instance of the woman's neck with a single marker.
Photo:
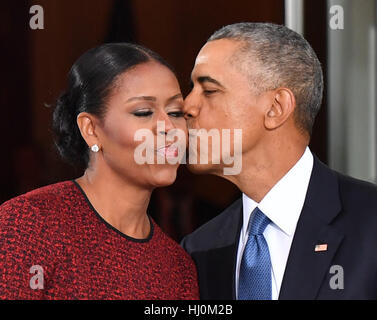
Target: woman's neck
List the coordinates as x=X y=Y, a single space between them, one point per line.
x=120 y=203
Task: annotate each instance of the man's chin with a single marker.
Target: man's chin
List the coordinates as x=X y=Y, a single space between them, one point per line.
x=204 y=168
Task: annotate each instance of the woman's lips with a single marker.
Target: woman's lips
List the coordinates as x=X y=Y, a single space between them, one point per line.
x=168 y=151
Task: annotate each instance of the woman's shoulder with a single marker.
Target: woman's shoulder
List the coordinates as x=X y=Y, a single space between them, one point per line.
x=47 y=198
x=31 y=233
x=174 y=250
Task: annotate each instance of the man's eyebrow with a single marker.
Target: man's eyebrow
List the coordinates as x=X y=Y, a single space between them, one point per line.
x=146 y=98
x=204 y=79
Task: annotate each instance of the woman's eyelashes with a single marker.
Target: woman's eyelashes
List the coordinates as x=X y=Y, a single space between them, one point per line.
x=143 y=113
x=176 y=114
x=147 y=113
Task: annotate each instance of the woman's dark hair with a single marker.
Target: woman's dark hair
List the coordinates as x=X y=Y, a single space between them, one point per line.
x=90 y=81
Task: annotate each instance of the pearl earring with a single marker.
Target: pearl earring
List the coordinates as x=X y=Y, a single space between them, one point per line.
x=95 y=148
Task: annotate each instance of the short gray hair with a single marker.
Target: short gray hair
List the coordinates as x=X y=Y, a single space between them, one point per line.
x=284 y=59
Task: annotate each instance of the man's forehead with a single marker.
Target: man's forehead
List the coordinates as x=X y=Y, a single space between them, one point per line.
x=204 y=55
x=201 y=58
x=216 y=51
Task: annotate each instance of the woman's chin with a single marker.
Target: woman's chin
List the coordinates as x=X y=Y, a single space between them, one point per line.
x=164 y=175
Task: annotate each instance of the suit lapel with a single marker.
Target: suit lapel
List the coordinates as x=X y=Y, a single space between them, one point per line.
x=306 y=269
x=222 y=259
x=221 y=277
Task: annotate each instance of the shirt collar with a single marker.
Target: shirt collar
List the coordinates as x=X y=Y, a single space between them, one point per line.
x=283 y=203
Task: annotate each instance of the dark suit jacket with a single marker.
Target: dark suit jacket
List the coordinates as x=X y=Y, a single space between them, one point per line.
x=338 y=211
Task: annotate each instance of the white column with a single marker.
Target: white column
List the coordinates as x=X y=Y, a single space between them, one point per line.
x=294 y=15
x=352 y=90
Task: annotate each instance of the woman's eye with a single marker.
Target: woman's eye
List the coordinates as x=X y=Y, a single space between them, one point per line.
x=176 y=114
x=142 y=113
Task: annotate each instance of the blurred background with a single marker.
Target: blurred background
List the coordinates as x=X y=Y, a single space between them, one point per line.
x=35 y=63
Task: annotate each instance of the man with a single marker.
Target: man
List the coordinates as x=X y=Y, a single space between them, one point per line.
x=300 y=230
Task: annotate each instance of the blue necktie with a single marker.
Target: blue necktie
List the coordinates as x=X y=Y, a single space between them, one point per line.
x=255 y=270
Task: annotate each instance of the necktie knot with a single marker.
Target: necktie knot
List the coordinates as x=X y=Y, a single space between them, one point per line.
x=258 y=222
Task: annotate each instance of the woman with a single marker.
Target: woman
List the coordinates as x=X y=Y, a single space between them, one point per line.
x=91 y=238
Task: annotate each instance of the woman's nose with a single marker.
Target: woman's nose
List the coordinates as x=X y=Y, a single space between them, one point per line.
x=164 y=124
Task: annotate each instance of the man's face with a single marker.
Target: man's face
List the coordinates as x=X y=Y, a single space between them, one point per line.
x=222 y=98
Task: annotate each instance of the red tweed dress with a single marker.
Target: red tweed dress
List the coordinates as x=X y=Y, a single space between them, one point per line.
x=77 y=255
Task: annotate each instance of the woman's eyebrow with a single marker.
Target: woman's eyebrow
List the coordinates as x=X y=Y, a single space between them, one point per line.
x=154 y=99
x=177 y=96
x=146 y=98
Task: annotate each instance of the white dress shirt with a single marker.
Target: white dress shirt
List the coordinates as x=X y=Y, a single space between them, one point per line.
x=282 y=205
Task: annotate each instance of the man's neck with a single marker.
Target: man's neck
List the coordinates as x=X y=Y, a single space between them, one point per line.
x=262 y=170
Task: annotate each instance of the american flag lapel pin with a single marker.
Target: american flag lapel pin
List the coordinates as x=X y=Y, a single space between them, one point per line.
x=320 y=247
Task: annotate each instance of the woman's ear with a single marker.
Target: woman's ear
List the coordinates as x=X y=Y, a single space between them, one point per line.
x=281 y=109
x=87 y=125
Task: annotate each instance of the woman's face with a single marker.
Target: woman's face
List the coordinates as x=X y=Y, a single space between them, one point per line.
x=142 y=96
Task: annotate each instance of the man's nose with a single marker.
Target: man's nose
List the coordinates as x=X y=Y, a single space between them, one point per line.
x=191 y=106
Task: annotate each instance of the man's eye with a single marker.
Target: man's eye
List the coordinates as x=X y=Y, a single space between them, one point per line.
x=209 y=92
x=142 y=113
x=176 y=114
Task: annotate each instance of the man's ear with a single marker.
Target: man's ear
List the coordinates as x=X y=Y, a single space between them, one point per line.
x=282 y=107
x=87 y=125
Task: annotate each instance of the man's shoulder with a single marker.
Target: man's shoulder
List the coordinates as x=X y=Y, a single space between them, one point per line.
x=351 y=190
x=357 y=184
x=358 y=191
x=357 y=201
x=207 y=236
